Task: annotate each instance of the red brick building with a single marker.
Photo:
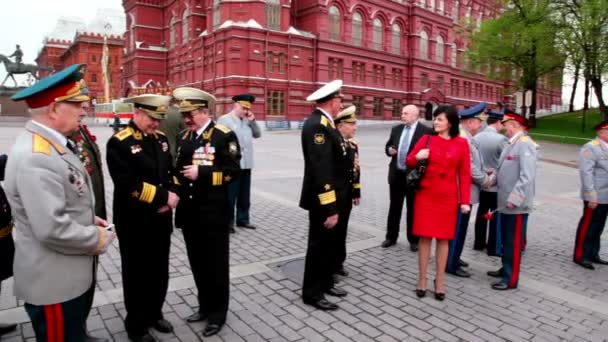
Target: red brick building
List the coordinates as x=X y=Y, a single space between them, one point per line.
x=388 y=53
x=86 y=48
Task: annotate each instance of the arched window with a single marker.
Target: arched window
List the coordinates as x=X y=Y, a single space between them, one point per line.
x=396 y=38
x=439 y=48
x=441 y=6
x=273 y=14
x=185 y=27
x=172 y=32
x=216 y=13
x=377 y=37
x=357 y=29
x=454 y=54
x=334 y=23
x=424 y=45
x=456 y=10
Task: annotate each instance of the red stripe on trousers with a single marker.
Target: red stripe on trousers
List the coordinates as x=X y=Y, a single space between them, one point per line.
x=516 y=251
x=58 y=321
x=50 y=323
x=582 y=234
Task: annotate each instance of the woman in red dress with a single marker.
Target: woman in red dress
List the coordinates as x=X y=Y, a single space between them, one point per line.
x=444 y=189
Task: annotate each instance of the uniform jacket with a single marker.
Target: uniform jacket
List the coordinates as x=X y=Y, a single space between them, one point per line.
x=171 y=126
x=245 y=131
x=393 y=141
x=216 y=152
x=324 y=154
x=477 y=166
x=89 y=154
x=52 y=200
x=593 y=170
x=490 y=144
x=354 y=174
x=7 y=247
x=516 y=175
x=140 y=166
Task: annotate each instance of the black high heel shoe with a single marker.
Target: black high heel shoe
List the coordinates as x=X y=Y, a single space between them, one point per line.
x=420 y=293
x=440 y=296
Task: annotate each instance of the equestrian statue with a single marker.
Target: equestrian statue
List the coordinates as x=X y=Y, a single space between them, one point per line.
x=17 y=67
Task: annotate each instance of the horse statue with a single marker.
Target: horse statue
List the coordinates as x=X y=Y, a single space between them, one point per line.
x=20 y=68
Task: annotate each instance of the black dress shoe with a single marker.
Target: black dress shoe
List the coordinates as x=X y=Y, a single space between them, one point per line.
x=586 y=264
x=7 y=328
x=343 y=272
x=599 y=261
x=196 y=317
x=163 y=326
x=322 y=304
x=460 y=273
x=142 y=338
x=212 y=329
x=495 y=274
x=462 y=263
x=245 y=225
x=387 y=243
x=336 y=292
x=89 y=338
x=420 y=293
x=479 y=248
x=500 y=286
x=414 y=247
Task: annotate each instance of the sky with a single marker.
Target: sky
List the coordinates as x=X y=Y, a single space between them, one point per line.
x=27 y=22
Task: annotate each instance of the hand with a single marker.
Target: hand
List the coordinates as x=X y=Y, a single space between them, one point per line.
x=592 y=205
x=511 y=205
x=250 y=116
x=465 y=208
x=422 y=154
x=173 y=200
x=392 y=151
x=490 y=171
x=100 y=222
x=163 y=209
x=357 y=201
x=331 y=221
x=110 y=236
x=190 y=172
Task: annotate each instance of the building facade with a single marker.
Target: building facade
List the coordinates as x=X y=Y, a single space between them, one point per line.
x=389 y=53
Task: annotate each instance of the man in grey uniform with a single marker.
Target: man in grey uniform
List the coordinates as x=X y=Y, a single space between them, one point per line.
x=490 y=143
x=515 y=185
x=593 y=169
x=241 y=121
x=470 y=120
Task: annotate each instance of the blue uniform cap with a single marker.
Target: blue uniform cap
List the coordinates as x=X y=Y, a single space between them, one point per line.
x=496 y=115
x=473 y=112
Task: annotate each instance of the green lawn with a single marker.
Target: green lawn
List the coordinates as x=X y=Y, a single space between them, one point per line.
x=567 y=127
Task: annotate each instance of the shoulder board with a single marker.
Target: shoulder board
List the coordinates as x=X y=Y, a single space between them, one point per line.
x=124 y=134
x=41 y=145
x=222 y=128
x=463 y=133
x=324 y=121
x=595 y=143
x=524 y=138
x=161 y=133
x=352 y=141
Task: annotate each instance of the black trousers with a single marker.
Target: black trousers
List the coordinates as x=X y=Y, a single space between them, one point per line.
x=589 y=233
x=239 y=194
x=340 y=236
x=318 y=271
x=399 y=192
x=208 y=254
x=484 y=237
x=62 y=321
x=144 y=253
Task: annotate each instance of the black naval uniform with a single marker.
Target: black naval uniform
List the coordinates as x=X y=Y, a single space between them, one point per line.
x=323 y=195
x=7 y=247
x=140 y=166
x=202 y=213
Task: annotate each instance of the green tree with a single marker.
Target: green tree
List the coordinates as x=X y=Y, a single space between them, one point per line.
x=522 y=38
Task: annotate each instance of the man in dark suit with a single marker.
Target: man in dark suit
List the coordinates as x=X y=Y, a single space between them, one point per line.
x=402 y=138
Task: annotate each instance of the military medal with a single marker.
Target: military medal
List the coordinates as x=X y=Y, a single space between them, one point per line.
x=165 y=146
x=135 y=149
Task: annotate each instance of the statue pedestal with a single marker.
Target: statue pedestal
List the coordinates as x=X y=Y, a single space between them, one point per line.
x=9 y=107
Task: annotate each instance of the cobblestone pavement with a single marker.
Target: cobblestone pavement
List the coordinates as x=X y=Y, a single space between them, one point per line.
x=556 y=301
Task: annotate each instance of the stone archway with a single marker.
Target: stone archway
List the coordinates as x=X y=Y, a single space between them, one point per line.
x=429 y=108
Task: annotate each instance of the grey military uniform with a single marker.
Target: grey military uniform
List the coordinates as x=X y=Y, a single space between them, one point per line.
x=477 y=167
x=490 y=144
x=516 y=175
x=53 y=207
x=246 y=131
x=593 y=170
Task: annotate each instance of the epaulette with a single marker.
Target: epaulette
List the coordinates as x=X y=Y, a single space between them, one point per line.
x=223 y=128
x=595 y=143
x=124 y=134
x=352 y=141
x=324 y=121
x=41 y=145
x=527 y=138
x=462 y=133
x=161 y=133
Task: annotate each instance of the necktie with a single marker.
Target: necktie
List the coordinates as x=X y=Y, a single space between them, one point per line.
x=403 y=145
x=71 y=146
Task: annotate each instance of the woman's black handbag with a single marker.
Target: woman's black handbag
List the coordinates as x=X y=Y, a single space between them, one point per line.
x=414 y=177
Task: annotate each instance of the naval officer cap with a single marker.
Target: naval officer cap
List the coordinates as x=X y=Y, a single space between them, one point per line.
x=245 y=100
x=155 y=106
x=473 y=112
x=347 y=115
x=512 y=116
x=189 y=99
x=63 y=86
x=327 y=92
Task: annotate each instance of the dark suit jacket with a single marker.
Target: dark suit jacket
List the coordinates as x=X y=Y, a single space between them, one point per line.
x=393 y=140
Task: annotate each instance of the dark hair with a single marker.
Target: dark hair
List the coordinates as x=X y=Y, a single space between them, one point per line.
x=452 y=115
x=492 y=121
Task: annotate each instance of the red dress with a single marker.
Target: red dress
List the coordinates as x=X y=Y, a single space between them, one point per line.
x=437 y=202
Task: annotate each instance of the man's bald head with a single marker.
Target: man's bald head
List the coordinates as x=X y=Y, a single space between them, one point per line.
x=410 y=114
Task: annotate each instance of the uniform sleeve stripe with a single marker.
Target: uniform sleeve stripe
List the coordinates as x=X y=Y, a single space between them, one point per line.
x=357 y=186
x=327 y=197
x=147 y=193
x=217 y=178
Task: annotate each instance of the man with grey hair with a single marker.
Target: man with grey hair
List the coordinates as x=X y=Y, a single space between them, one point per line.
x=402 y=138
